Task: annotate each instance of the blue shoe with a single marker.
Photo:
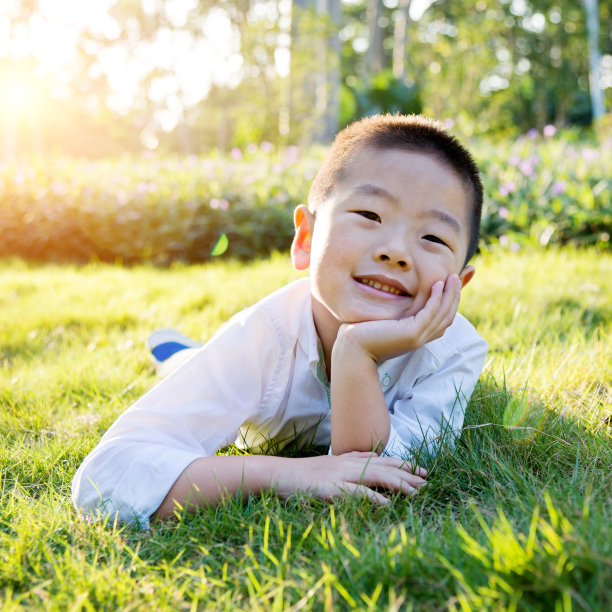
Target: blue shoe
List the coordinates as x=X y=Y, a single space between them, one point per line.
x=166 y=342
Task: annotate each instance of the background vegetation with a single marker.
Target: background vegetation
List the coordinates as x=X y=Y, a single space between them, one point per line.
x=543 y=188
x=191 y=76
x=518 y=515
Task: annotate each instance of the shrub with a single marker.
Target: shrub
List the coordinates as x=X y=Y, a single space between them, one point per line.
x=152 y=208
x=545 y=189
x=540 y=189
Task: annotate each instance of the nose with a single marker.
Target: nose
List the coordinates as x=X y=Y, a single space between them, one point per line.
x=394 y=255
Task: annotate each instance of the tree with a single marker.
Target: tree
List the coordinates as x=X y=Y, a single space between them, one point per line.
x=400 y=28
x=597 y=102
x=376 y=50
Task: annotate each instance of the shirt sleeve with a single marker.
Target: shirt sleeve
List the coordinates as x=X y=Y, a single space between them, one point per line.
x=430 y=411
x=190 y=414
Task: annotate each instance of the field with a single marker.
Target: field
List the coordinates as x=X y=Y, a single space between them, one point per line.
x=519 y=515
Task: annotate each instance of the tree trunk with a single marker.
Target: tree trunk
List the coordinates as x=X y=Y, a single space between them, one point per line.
x=301 y=89
x=592 y=13
x=376 y=52
x=328 y=76
x=314 y=95
x=399 y=40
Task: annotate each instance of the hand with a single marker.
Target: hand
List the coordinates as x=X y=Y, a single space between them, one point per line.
x=353 y=473
x=385 y=339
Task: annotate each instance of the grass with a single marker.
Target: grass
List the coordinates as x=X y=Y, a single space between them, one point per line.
x=518 y=516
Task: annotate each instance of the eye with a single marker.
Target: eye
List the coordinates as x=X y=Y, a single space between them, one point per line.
x=432 y=238
x=368 y=214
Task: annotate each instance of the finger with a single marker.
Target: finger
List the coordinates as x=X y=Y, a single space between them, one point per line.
x=413 y=468
x=454 y=288
x=359 y=490
x=437 y=289
x=389 y=478
x=449 y=302
x=422 y=321
x=404 y=465
x=364 y=454
x=450 y=294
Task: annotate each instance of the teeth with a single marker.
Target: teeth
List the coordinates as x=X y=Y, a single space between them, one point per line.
x=381 y=286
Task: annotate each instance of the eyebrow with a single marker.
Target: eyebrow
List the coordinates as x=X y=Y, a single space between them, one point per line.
x=445 y=217
x=375 y=190
x=380 y=192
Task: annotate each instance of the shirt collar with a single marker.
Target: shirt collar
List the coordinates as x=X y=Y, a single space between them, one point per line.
x=311 y=345
x=388 y=371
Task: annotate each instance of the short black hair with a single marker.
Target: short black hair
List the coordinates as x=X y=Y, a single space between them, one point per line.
x=405 y=132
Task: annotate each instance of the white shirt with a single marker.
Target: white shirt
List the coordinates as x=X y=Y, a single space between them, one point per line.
x=262 y=377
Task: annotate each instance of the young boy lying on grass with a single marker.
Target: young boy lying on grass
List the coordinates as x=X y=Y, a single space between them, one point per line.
x=368 y=354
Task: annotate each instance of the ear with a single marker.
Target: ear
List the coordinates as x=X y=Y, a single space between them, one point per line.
x=303 y=220
x=466 y=275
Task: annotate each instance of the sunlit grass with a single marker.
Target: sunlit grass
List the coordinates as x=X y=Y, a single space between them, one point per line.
x=518 y=514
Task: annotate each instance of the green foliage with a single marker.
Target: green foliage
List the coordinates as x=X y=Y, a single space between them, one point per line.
x=546 y=189
x=164 y=209
x=540 y=190
x=380 y=94
x=517 y=515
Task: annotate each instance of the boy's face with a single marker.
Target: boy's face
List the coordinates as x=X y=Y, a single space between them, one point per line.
x=393 y=226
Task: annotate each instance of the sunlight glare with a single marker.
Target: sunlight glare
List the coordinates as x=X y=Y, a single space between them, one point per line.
x=19 y=94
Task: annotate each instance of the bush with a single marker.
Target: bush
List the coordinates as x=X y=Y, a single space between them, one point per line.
x=545 y=189
x=540 y=189
x=153 y=208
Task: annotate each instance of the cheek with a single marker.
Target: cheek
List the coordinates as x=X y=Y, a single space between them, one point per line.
x=328 y=251
x=436 y=266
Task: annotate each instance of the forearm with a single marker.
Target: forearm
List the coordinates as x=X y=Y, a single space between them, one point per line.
x=359 y=414
x=208 y=480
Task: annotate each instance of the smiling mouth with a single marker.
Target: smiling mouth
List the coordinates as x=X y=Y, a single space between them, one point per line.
x=381 y=286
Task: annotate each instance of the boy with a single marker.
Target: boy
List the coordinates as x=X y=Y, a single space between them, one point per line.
x=369 y=353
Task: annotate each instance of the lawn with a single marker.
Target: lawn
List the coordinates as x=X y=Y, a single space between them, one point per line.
x=518 y=515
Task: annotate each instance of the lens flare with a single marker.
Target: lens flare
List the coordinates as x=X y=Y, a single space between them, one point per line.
x=221 y=246
x=523 y=418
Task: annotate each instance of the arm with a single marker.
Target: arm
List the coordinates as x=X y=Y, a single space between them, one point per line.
x=208 y=480
x=360 y=417
x=190 y=414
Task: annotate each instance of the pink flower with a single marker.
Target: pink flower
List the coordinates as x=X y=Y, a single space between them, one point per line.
x=532 y=133
x=558 y=187
x=223 y=204
x=267 y=147
x=214 y=203
x=526 y=167
x=507 y=187
x=590 y=155
x=549 y=131
x=503 y=212
x=292 y=153
x=236 y=154
x=504 y=240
